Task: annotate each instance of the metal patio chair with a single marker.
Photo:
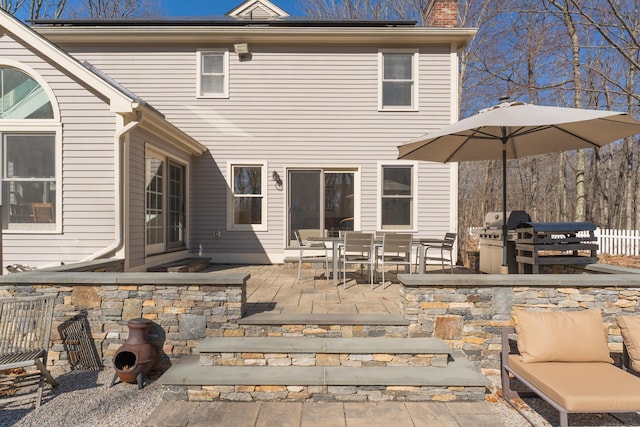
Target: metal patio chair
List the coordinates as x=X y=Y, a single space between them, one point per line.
x=303 y=246
x=445 y=247
x=25 y=329
x=358 y=249
x=396 y=249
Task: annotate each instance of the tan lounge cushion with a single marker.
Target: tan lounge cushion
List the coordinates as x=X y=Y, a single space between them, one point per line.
x=630 y=330
x=582 y=387
x=572 y=336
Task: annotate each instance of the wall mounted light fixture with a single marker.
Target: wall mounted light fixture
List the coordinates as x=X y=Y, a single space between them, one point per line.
x=277 y=179
x=242 y=50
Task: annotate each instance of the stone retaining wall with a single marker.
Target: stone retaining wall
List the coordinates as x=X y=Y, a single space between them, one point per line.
x=468 y=311
x=184 y=307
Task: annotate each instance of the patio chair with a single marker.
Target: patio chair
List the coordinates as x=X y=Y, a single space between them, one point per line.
x=310 y=246
x=25 y=329
x=358 y=249
x=445 y=247
x=396 y=249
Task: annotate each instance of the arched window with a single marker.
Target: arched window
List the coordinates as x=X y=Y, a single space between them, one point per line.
x=29 y=130
x=22 y=97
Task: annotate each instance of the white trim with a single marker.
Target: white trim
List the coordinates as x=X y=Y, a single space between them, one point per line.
x=263 y=226
x=415 y=65
x=240 y=11
x=414 y=194
x=454 y=91
x=225 y=71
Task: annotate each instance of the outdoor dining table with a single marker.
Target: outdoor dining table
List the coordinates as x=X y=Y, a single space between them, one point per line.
x=420 y=243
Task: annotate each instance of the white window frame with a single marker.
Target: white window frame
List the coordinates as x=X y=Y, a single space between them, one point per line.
x=414 y=195
x=225 y=86
x=231 y=225
x=415 y=73
x=166 y=246
x=35 y=126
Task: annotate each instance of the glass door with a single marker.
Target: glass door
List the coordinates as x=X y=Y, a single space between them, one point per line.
x=320 y=200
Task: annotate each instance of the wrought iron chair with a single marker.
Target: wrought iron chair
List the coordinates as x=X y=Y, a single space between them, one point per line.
x=445 y=247
x=396 y=249
x=358 y=249
x=25 y=329
x=310 y=246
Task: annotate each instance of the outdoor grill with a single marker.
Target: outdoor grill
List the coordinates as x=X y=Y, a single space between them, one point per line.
x=491 y=241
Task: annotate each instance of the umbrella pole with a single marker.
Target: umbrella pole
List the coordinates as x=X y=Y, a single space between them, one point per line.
x=505 y=267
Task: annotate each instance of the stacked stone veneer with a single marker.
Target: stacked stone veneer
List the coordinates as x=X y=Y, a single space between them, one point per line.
x=184 y=307
x=467 y=311
x=325 y=331
x=323 y=359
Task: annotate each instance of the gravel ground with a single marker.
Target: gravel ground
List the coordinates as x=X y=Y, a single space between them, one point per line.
x=84 y=398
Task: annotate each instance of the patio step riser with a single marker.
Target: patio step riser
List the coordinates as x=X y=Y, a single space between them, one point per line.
x=353 y=360
x=325 y=331
x=271 y=393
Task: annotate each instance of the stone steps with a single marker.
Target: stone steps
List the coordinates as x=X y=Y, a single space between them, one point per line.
x=310 y=369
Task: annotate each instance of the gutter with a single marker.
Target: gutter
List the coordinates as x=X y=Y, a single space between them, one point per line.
x=119 y=142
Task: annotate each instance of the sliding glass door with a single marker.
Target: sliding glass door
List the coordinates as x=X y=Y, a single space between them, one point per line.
x=321 y=199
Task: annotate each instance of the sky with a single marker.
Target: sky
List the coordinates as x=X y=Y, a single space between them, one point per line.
x=216 y=7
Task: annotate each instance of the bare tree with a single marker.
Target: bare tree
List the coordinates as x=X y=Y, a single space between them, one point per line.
x=11 y=6
x=110 y=9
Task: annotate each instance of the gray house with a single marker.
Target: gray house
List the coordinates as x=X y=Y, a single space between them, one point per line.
x=151 y=140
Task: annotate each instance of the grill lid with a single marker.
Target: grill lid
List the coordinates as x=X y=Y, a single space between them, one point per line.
x=514 y=218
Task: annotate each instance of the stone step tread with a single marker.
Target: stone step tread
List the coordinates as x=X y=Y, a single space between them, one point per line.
x=192 y=374
x=323 y=345
x=324 y=319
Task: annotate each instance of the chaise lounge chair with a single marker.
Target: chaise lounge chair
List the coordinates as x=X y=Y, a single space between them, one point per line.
x=564 y=359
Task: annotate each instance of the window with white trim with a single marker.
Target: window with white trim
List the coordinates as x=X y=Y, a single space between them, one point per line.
x=165 y=204
x=213 y=74
x=248 y=209
x=397 y=197
x=398 y=79
x=30 y=130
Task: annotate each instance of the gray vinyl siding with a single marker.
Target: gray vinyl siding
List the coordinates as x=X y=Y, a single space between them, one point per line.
x=87 y=183
x=289 y=106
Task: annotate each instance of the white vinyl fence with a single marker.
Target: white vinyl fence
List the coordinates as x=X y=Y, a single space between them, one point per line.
x=618 y=242
x=611 y=242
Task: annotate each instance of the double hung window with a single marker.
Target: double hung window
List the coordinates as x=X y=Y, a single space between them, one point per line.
x=213 y=74
x=28 y=135
x=398 y=84
x=397 y=201
x=248 y=198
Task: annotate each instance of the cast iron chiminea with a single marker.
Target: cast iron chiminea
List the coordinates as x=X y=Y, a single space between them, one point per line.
x=135 y=357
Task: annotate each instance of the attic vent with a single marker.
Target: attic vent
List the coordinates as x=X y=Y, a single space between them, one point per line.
x=260 y=13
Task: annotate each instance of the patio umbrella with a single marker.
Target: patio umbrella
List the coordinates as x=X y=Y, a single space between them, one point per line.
x=513 y=130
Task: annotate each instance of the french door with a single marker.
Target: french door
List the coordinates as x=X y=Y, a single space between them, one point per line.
x=321 y=199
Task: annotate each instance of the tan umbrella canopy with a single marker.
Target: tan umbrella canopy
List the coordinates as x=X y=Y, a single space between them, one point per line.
x=513 y=130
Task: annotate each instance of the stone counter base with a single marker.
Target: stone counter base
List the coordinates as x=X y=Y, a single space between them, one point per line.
x=250 y=393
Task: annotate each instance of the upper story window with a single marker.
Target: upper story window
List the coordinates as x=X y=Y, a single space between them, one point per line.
x=398 y=79
x=248 y=210
x=397 y=204
x=213 y=74
x=29 y=132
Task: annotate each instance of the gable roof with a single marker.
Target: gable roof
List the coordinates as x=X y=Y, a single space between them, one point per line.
x=120 y=100
x=258 y=9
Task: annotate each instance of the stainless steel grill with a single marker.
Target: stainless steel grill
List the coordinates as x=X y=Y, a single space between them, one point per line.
x=491 y=241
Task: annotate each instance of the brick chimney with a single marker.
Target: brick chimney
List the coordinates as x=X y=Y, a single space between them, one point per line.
x=440 y=13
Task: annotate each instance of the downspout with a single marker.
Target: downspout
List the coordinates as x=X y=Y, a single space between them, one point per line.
x=119 y=142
